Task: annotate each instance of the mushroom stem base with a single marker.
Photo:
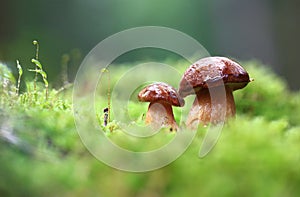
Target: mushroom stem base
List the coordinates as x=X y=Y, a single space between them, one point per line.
x=214 y=105
x=160 y=114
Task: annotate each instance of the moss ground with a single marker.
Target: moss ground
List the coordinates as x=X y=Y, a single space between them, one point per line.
x=257 y=154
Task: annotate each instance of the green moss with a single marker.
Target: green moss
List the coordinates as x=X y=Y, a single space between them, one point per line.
x=267 y=96
x=257 y=154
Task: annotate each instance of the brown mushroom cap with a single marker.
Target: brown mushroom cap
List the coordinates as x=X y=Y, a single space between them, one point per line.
x=160 y=92
x=213 y=72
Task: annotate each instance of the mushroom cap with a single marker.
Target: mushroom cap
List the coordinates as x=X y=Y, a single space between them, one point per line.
x=160 y=91
x=212 y=72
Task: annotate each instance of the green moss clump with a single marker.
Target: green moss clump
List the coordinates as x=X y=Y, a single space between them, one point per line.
x=267 y=96
x=257 y=154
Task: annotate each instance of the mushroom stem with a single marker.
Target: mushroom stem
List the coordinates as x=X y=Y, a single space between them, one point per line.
x=160 y=114
x=207 y=109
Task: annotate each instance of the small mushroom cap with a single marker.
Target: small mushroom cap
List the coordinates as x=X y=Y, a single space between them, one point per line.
x=159 y=91
x=213 y=72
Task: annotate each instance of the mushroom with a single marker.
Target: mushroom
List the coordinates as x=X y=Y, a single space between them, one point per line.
x=212 y=75
x=161 y=97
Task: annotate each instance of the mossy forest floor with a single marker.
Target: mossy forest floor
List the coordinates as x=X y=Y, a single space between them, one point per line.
x=257 y=154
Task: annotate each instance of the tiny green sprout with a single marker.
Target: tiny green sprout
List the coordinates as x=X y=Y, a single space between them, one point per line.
x=103 y=70
x=37 y=63
x=39 y=70
x=20 y=70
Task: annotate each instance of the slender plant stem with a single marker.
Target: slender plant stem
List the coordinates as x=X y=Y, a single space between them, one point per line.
x=47 y=93
x=107 y=112
x=20 y=70
x=36 y=43
x=64 y=69
x=108 y=96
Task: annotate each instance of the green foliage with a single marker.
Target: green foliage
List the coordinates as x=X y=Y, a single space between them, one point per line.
x=257 y=154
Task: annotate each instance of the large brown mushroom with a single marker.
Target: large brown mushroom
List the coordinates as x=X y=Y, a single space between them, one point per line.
x=208 y=76
x=161 y=97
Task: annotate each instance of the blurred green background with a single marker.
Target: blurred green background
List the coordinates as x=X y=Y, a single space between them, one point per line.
x=266 y=30
x=262 y=159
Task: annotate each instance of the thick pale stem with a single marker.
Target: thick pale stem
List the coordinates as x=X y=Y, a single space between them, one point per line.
x=214 y=105
x=160 y=114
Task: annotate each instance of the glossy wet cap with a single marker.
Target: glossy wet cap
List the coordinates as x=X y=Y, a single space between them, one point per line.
x=213 y=72
x=160 y=92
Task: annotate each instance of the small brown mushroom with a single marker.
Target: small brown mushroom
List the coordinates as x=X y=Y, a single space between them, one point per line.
x=212 y=75
x=161 y=97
